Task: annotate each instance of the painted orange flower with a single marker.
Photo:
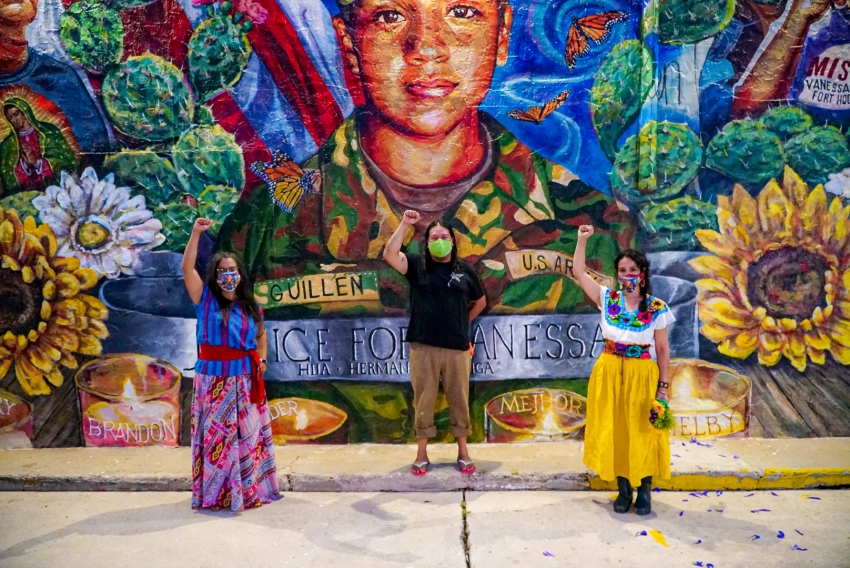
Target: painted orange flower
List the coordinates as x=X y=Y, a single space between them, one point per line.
x=44 y=317
x=780 y=283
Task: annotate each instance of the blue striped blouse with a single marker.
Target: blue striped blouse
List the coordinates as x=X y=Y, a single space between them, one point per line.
x=233 y=328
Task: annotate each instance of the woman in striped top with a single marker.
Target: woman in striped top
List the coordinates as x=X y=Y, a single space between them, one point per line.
x=232 y=456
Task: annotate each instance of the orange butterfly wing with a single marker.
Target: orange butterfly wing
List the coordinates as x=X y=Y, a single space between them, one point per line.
x=283 y=177
x=577 y=46
x=597 y=27
x=287 y=193
x=537 y=114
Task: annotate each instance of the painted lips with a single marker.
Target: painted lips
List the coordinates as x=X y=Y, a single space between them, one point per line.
x=431 y=88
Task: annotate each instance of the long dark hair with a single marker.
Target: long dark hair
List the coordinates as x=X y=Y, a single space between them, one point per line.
x=643 y=265
x=430 y=263
x=244 y=293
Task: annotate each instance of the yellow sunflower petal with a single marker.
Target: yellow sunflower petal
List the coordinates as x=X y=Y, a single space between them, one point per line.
x=746 y=209
x=5 y=363
x=742 y=281
x=28 y=274
x=817 y=356
x=39 y=359
x=718 y=333
x=55 y=377
x=46 y=311
x=68 y=360
x=49 y=290
x=735 y=233
x=774 y=210
x=51 y=351
x=31 y=247
x=716 y=243
x=795 y=351
x=840 y=353
x=839 y=332
x=66 y=264
x=729 y=349
x=770 y=342
x=714 y=267
x=795 y=187
x=10 y=263
x=97 y=328
x=30 y=378
x=87 y=277
x=96 y=308
x=834 y=229
x=816 y=340
x=90 y=345
x=769 y=358
x=814 y=210
x=708 y=287
x=723 y=311
x=68 y=285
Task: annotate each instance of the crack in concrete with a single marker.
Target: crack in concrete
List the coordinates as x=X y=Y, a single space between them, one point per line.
x=464 y=531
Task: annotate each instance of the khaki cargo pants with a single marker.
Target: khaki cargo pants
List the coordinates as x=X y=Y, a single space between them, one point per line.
x=427 y=366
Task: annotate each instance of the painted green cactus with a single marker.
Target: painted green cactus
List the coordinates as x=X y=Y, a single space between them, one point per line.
x=817 y=153
x=786 y=121
x=215 y=203
x=148 y=98
x=93 y=35
x=619 y=90
x=204 y=116
x=747 y=152
x=672 y=225
x=208 y=155
x=145 y=172
x=177 y=219
x=656 y=164
x=682 y=22
x=124 y=4
x=218 y=54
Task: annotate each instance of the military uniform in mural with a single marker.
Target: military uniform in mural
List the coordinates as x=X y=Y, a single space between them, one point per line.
x=516 y=219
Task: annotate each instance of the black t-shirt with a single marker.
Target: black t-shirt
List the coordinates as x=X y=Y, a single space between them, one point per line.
x=439 y=302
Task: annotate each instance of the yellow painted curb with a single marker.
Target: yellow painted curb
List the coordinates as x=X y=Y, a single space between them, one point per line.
x=774 y=478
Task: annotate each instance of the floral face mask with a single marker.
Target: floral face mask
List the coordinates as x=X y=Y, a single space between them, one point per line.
x=629 y=283
x=228 y=280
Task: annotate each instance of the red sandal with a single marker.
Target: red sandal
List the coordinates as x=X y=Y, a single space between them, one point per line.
x=419 y=467
x=466 y=467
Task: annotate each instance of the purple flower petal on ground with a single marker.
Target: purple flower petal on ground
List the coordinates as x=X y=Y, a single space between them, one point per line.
x=774 y=493
x=750 y=495
x=760 y=511
x=681 y=513
x=798 y=532
x=736 y=457
x=704 y=493
x=721 y=455
x=698 y=563
x=709 y=565
x=795 y=547
x=699 y=541
x=814 y=498
x=719 y=492
x=548 y=554
x=656 y=489
x=780 y=534
x=693 y=494
x=755 y=537
x=641 y=533
x=676 y=456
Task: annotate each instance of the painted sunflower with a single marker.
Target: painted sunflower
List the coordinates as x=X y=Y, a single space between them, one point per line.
x=780 y=283
x=44 y=317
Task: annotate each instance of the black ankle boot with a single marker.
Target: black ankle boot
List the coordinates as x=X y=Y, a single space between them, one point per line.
x=624 y=499
x=643 y=503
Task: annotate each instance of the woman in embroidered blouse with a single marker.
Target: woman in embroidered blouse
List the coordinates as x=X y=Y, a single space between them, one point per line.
x=232 y=455
x=619 y=441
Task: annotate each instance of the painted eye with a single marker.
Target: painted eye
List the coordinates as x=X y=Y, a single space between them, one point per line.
x=389 y=17
x=465 y=12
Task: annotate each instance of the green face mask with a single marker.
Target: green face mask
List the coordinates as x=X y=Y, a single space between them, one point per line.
x=440 y=248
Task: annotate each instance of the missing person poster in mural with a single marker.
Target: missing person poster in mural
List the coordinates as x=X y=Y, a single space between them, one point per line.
x=711 y=136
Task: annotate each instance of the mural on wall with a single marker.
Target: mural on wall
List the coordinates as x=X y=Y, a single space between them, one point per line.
x=713 y=135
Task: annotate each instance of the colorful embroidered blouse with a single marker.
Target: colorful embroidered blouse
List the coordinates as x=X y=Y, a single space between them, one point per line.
x=632 y=327
x=232 y=328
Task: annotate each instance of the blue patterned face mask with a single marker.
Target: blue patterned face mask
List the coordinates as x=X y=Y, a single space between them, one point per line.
x=228 y=280
x=629 y=283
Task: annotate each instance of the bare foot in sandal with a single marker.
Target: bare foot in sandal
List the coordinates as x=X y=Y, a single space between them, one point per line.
x=420 y=468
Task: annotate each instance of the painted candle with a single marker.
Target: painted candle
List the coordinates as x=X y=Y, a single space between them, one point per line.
x=15 y=422
x=534 y=414
x=708 y=400
x=129 y=400
x=299 y=419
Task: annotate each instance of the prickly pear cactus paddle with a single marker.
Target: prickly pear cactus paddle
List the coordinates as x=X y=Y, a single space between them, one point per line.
x=619 y=90
x=124 y=4
x=672 y=225
x=786 y=121
x=93 y=35
x=208 y=155
x=215 y=203
x=145 y=172
x=218 y=54
x=817 y=153
x=746 y=152
x=148 y=98
x=681 y=22
x=177 y=219
x=656 y=164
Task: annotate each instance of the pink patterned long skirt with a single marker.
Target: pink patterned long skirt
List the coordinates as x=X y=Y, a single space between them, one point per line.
x=232 y=456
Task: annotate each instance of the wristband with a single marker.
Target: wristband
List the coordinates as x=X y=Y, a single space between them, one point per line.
x=663 y=385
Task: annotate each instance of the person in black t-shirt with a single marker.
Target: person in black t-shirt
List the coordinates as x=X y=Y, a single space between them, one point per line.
x=445 y=295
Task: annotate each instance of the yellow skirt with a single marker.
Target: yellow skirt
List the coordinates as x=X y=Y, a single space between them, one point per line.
x=619 y=441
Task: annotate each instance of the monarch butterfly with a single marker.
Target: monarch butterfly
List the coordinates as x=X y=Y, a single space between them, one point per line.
x=287 y=181
x=596 y=28
x=537 y=114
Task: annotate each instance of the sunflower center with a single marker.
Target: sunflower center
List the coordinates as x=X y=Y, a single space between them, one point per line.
x=20 y=303
x=91 y=234
x=788 y=283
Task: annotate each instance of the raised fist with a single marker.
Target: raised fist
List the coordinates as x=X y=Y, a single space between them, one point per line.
x=410 y=217
x=585 y=231
x=201 y=225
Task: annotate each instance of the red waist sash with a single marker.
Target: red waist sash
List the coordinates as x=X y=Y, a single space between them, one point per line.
x=223 y=353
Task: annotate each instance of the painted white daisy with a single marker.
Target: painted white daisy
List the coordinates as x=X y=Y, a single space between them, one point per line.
x=839 y=184
x=98 y=223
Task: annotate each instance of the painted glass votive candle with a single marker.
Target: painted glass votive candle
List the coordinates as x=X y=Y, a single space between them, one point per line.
x=300 y=420
x=534 y=415
x=129 y=400
x=15 y=422
x=708 y=400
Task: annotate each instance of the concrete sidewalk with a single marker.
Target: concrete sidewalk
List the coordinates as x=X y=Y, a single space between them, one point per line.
x=721 y=464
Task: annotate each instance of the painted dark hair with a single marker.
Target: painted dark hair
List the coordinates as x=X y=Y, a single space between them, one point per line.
x=643 y=265
x=244 y=292
x=430 y=263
